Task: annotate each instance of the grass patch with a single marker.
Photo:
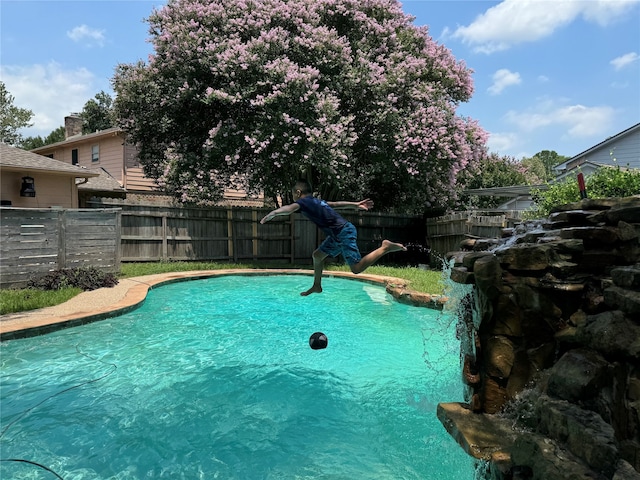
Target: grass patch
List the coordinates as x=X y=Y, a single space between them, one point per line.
x=425 y=281
x=151 y=268
x=13 y=300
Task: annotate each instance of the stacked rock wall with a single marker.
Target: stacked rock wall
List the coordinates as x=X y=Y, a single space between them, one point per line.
x=553 y=331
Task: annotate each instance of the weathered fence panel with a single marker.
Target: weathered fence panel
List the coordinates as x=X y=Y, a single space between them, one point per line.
x=445 y=233
x=234 y=234
x=37 y=241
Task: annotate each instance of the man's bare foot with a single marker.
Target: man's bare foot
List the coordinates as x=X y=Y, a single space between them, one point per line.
x=314 y=289
x=393 y=247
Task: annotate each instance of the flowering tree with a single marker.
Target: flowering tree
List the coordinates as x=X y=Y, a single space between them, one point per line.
x=257 y=93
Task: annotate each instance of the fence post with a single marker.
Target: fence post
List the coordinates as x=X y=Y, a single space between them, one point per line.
x=118 y=239
x=254 y=233
x=292 y=231
x=165 y=239
x=62 y=239
x=231 y=233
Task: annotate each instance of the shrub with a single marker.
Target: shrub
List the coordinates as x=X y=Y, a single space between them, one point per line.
x=603 y=183
x=85 y=278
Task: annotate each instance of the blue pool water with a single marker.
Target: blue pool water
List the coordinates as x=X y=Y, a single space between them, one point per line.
x=214 y=378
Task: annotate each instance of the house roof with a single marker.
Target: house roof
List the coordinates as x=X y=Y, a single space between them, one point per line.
x=513 y=191
x=16 y=159
x=81 y=138
x=562 y=166
x=104 y=183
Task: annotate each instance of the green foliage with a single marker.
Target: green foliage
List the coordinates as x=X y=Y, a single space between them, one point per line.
x=605 y=182
x=549 y=159
x=57 y=135
x=97 y=113
x=492 y=171
x=151 y=268
x=85 y=278
x=12 y=118
x=20 y=300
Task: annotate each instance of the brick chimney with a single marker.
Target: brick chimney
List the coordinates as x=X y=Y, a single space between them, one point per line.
x=72 y=126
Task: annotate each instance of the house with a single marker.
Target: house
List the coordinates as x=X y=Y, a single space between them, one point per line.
x=34 y=181
x=622 y=149
x=106 y=150
x=109 y=151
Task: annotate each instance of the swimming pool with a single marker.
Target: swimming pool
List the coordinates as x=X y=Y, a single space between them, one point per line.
x=214 y=378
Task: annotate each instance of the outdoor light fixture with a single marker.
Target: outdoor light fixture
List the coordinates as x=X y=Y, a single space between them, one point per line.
x=28 y=188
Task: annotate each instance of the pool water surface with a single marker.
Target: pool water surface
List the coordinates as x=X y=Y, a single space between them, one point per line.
x=215 y=378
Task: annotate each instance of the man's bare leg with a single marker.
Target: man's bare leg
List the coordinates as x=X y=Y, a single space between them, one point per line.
x=318 y=264
x=372 y=257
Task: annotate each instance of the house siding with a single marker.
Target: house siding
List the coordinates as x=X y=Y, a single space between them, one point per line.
x=110 y=157
x=51 y=190
x=621 y=150
x=137 y=181
x=627 y=151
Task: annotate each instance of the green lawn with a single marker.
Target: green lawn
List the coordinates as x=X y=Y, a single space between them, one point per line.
x=11 y=301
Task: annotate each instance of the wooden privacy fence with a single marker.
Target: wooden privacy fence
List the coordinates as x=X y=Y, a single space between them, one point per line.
x=445 y=233
x=235 y=234
x=37 y=241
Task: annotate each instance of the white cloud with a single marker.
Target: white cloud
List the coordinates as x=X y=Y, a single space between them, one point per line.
x=624 y=60
x=577 y=121
x=49 y=91
x=502 y=79
x=512 y=22
x=85 y=33
x=500 y=142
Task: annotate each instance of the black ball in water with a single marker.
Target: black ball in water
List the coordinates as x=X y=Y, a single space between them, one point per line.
x=318 y=341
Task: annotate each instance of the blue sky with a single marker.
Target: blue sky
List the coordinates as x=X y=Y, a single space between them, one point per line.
x=557 y=75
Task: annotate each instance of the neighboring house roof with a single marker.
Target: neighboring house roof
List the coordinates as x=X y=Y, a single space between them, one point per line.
x=611 y=141
x=587 y=167
x=104 y=183
x=81 y=138
x=511 y=192
x=16 y=159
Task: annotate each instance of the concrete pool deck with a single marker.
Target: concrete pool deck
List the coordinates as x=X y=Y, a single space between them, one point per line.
x=129 y=293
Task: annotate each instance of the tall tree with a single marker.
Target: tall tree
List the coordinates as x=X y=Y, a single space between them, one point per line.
x=55 y=136
x=97 y=113
x=548 y=159
x=254 y=94
x=12 y=118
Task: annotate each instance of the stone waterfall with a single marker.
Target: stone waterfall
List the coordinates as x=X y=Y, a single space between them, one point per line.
x=552 y=346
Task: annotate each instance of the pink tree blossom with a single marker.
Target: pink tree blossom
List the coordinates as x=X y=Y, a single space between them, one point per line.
x=254 y=94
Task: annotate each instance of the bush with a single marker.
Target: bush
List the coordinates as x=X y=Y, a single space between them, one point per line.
x=85 y=278
x=603 y=183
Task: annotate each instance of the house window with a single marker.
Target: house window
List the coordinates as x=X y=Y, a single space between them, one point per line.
x=95 y=153
x=74 y=156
